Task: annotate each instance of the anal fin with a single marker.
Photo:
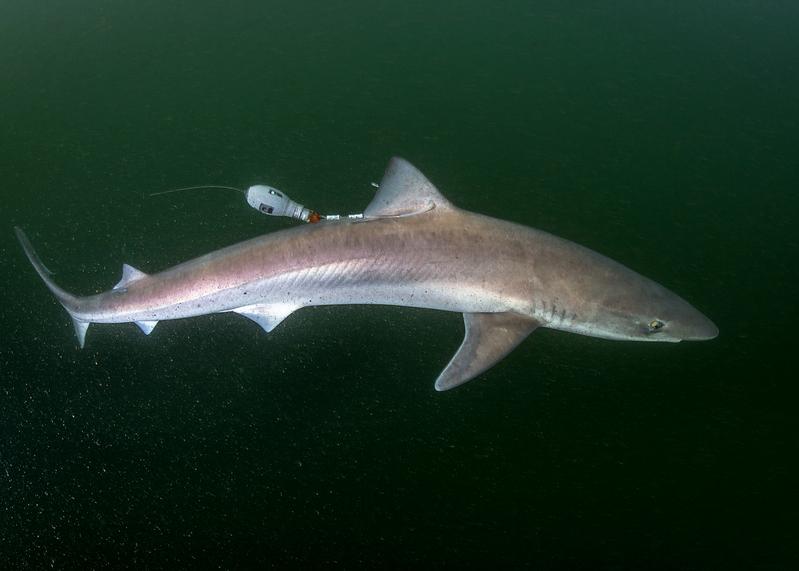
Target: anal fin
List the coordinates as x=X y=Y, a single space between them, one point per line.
x=489 y=337
x=268 y=316
x=80 y=330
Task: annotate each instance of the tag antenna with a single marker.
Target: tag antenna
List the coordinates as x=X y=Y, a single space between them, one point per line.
x=198 y=188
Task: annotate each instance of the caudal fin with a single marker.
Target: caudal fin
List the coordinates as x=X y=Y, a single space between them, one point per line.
x=69 y=301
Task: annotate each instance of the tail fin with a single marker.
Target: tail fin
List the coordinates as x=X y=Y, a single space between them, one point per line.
x=69 y=301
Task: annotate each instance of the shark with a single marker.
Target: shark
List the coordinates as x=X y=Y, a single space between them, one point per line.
x=412 y=248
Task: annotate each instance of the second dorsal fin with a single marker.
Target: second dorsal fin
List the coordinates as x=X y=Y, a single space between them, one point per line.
x=404 y=191
x=129 y=275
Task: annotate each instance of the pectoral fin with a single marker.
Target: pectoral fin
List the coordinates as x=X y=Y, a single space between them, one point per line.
x=489 y=337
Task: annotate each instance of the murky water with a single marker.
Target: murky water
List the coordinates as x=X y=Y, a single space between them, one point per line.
x=662 y=135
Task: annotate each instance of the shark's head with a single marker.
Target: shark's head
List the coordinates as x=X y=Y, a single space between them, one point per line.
x=628 y=306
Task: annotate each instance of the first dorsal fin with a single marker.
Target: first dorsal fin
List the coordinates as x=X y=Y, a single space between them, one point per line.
x=404 y=191
x=129 y=275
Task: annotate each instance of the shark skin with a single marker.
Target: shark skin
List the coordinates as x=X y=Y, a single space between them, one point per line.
x=413 y=248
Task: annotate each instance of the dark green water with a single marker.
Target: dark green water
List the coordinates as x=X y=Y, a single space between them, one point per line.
x=663 y=134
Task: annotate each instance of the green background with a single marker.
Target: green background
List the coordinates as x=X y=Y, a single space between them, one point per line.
x=661 y=133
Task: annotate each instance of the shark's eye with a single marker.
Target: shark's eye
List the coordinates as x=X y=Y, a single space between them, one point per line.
x=656 y=325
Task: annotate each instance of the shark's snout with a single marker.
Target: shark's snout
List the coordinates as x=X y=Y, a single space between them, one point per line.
x=690 y=324
x=700 y=329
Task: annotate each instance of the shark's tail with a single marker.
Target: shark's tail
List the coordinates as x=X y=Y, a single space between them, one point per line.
x=69 y=301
